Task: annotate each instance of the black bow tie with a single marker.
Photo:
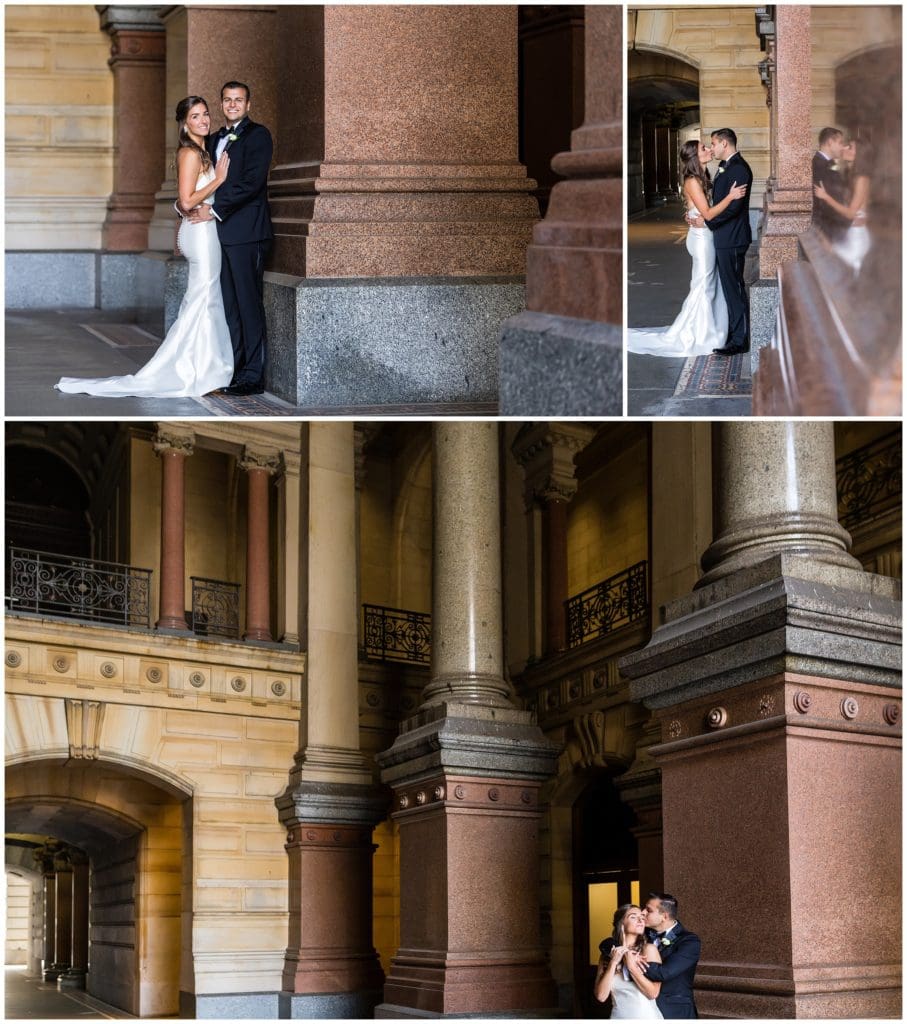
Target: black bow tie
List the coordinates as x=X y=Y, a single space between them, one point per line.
x=222 y=133
x=721 y=163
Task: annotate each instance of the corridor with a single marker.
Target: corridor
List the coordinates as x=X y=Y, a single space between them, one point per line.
x=32 y=999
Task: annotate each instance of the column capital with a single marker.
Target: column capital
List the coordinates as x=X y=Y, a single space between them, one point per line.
x=546 y=452
x=167 y=440
x=268 y=459
x=116 y=18
x=363 y=435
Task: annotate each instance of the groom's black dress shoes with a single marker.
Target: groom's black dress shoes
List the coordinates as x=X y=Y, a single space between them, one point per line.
x=731 y=350
x=245 y=389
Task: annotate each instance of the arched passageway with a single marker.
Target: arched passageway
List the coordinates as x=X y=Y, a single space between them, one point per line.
x=135 y=836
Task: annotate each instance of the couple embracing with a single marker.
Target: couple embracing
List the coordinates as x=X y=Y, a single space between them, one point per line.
x=715 y=313
x=218 y=341
x=648 y=964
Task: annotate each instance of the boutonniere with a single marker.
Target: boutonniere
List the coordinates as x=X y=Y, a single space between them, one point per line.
x=665 y=942
x=834 y=166
x=232 y=137
x=721 y=170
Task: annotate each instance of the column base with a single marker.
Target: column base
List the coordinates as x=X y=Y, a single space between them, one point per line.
x=329 y=1005
x=382 y=341
x=560 y=366
x=763 y=311
x=258 y=636
x=53 y=972
x=230 y=1006
x=72 y=979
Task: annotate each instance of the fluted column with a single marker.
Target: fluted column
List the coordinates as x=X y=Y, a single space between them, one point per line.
x=466 y=771
x=75 y=976
x=776 y=492
x=173 y=449
x=259 y=466
x=137 y=53
x=331 y=805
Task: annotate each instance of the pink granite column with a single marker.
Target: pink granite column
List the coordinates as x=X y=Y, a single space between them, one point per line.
x=787 y=206
x=259 y=467
x=139 y=85
x=575 y=263
x=173 y=450
x=398 y=148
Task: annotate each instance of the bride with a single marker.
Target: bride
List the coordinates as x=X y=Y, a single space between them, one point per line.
x=196 y=356
x=621 y=976
x=702 y=322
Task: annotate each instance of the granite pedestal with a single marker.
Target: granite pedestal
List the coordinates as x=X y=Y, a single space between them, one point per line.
x=560 y=366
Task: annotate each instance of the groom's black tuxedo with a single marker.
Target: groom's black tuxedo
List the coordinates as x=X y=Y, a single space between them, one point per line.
x=675 y=972
x=245 y=233
x=732 y=235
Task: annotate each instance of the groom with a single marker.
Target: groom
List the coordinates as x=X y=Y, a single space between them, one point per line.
x=679 y=951
x=732 y=237
x=244 y=230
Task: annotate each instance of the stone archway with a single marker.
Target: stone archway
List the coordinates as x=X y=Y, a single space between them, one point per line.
x=662 y=101
x=136 y=831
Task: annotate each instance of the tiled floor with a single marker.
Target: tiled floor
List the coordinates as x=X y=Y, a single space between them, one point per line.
x=44 y=345
x=31 y=999
x=658 y=278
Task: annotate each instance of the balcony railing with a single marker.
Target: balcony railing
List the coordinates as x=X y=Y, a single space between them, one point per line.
x=869 y=480
x=215 y=608
x=395 y=634
x=78 y=588
x=615 y=602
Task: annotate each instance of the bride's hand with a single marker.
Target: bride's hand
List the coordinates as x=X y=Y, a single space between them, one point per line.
x=617 y=953
x=737 y=191
x=820 y=191
x=223 y=165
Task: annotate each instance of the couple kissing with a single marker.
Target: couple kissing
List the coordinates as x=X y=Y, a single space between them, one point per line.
x=648 y=964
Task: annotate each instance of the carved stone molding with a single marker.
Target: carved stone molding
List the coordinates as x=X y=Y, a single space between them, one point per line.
x=601 y=739
x=267 y=459
x=546 y=452
x=84 y=719
x=167 y=441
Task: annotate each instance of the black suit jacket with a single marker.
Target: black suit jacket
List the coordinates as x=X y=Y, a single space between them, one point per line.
x=676 y=972
x=829 y=221
x=731 y=228
x=241 y=202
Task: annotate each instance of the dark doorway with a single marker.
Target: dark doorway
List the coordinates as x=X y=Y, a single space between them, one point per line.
x=46 y=503
x=606 y=875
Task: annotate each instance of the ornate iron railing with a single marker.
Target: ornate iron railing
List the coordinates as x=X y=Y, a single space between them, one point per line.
x=78 y=588
x=395 y=634
x=615 y=602
x=869 y=480
x=215 y=608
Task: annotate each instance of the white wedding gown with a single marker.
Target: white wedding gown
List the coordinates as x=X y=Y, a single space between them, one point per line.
x=628 y=1003
x=196 y=356
x=702 y=323
x=855 y=243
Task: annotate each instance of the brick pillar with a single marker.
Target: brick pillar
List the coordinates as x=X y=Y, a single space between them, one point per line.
x=173 y=449
x=137 y=52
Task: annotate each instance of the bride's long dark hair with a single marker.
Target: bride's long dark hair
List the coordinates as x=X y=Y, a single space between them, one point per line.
x=185 y=142
x=692 y=168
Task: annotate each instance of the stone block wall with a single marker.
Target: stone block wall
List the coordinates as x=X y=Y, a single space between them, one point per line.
x=58 y=127
x=18 y=918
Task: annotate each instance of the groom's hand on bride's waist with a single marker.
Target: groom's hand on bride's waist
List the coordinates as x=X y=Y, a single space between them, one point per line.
x=199 y=214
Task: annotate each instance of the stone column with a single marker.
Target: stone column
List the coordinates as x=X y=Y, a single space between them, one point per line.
x=288 y=496
x=173 y=449
x=75 y=976
x=137 y=60
x=546 y=452
x=565 y=354
x=45 y=858
x=776 y=492
x=259 y=466
x=331 y=804
x=398 y=151
x=466 y=772
x=63 y=912
x=776 y=684
x=787 y=205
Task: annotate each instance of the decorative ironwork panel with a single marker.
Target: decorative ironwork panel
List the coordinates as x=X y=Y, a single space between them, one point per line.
x=615 y=602
x=395 y=634
x=215 y=608
x=78 y=588
x=869 y=480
